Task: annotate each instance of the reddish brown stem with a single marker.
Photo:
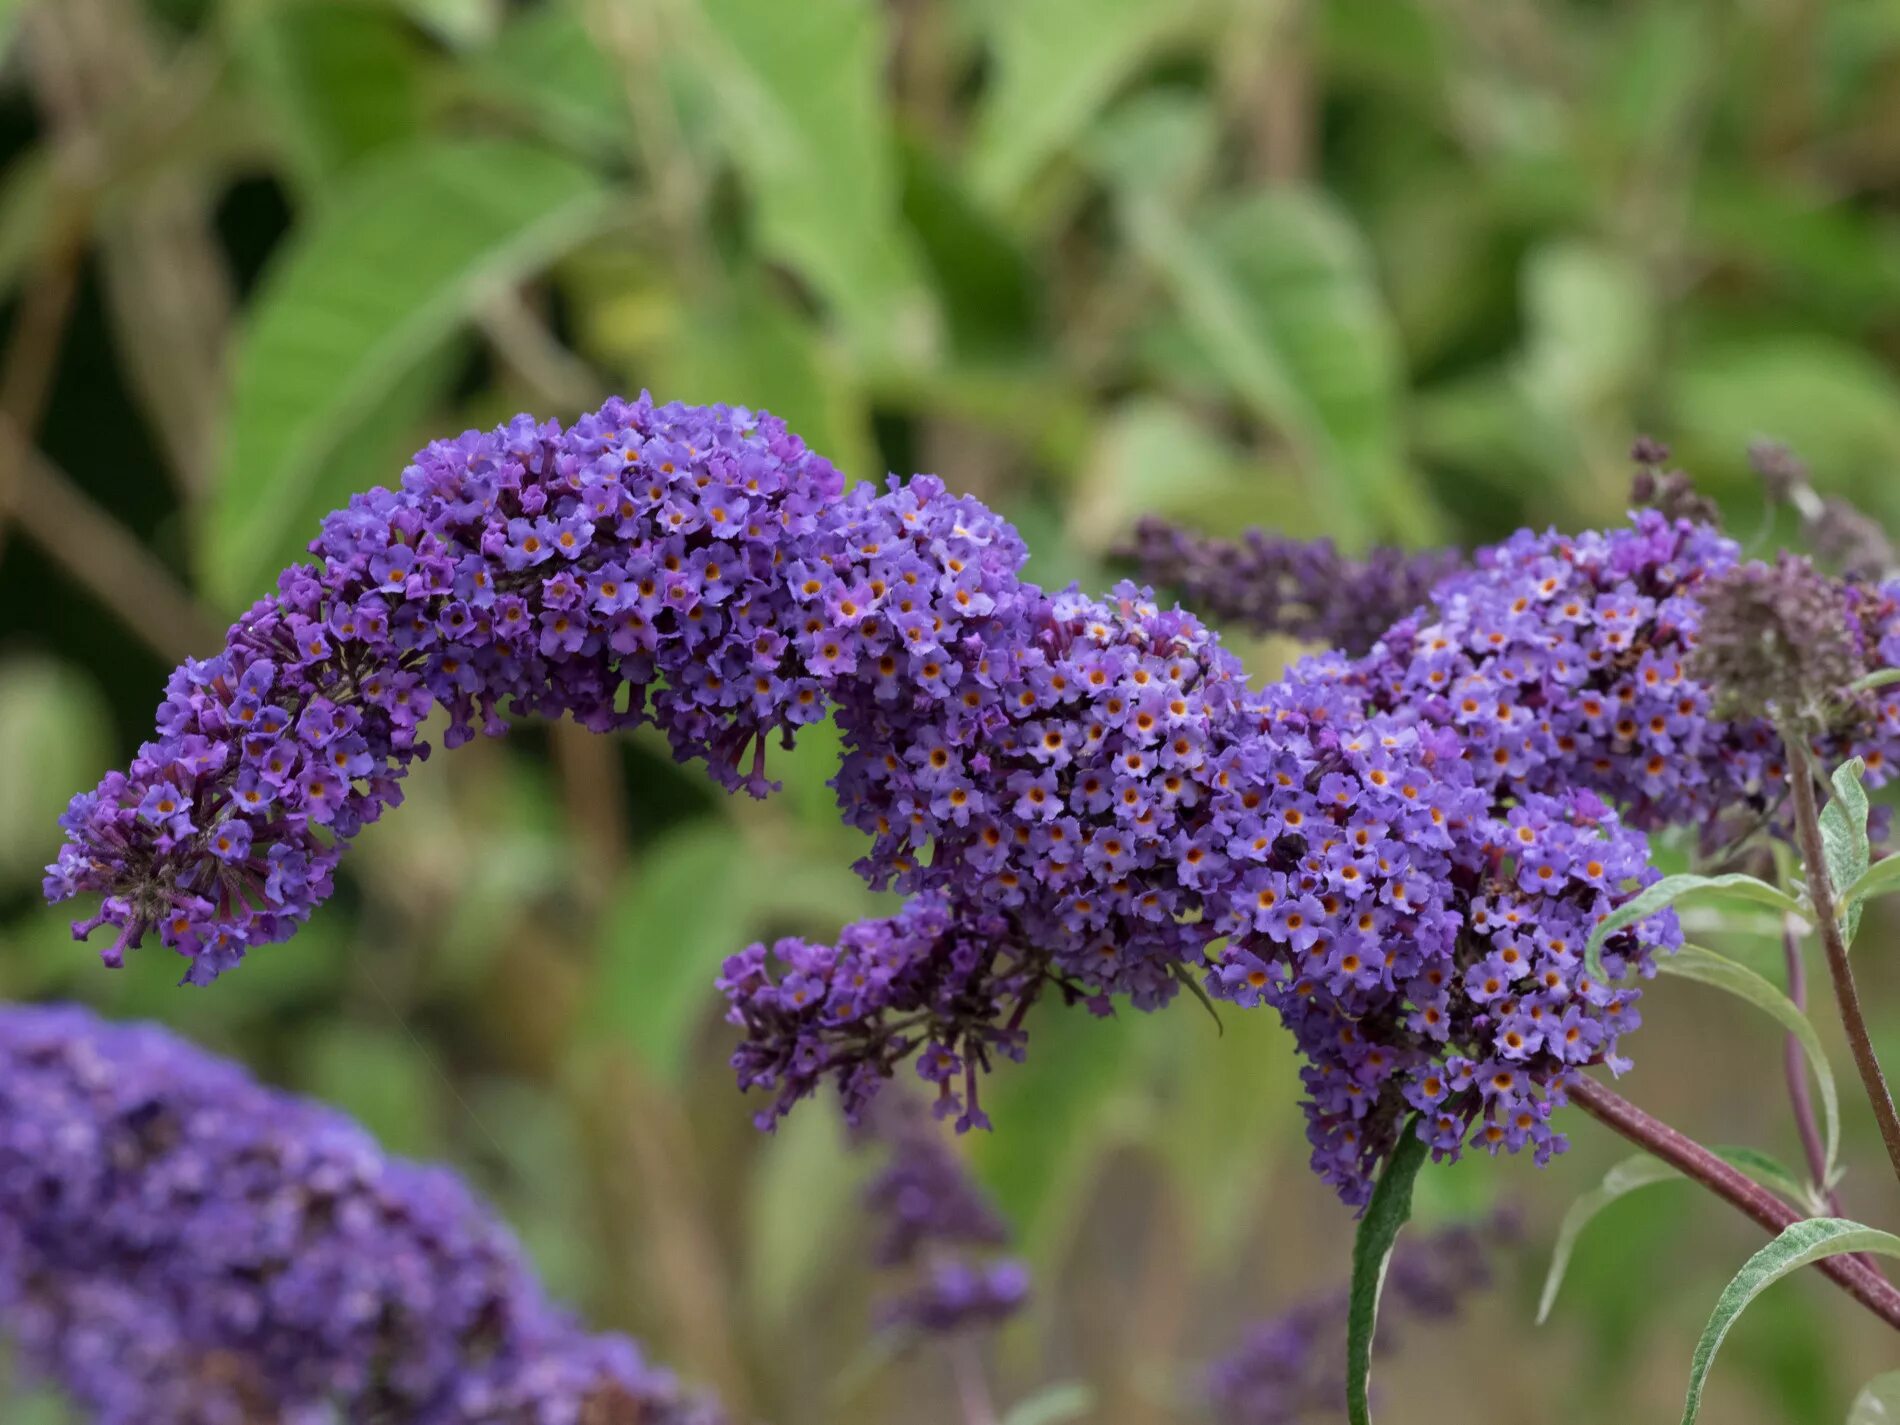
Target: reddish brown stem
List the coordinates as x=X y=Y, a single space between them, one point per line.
x=1807 y=826
x=1695 y=1162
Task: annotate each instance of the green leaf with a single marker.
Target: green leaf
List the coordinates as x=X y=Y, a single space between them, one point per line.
x=1277 y=289
x=389 y=267
x=1881 y=878
x=1878 y=1402
x=1672 y=889
x=1844 y=840
x=686 y=906
x=818 y=156
x=547 y=67
x=1052 y=1405
x=1640 y=1171
x=57 y=730
x=1626 y=1177
x=988 y=290
x=1803 y=1243
x=342 y=77
x=1057 y=62
x=1885 y=677
x=1386 y=1213
x=1693 y=962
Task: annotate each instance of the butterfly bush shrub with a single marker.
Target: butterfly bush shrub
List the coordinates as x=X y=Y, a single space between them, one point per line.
x=1426 y=852
x=181 y=1245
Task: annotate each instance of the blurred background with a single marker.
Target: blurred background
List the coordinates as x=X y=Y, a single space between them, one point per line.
x=1369 y=268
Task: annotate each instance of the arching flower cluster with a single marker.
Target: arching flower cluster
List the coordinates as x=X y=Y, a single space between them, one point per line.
x=1426 y=953
x=179 y=1244
x=624 y=571
x=936 y=1224
x=1565 y=661
x=1082 y=794
x=1304 y=589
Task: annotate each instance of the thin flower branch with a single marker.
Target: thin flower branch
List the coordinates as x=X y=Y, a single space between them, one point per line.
x=1795 y=1063
x=1807 y=822
x=1697 y=1163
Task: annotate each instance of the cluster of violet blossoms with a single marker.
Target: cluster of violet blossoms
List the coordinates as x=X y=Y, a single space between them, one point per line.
x=1567 y=662
x=180 y=1245
x=630 y=569
x=1083 y=797
x=1304 y=589
x=938 y=1226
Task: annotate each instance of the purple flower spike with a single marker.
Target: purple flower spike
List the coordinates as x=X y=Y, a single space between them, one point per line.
x=460 y=591
x=179 y=1244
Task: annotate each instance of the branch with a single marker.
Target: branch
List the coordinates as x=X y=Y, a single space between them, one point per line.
x=1695 y=1162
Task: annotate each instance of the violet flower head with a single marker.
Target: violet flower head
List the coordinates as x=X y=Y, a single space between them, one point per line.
x=180 y=1245
x=1773 y=645
x=1846 y=537
x=1565 y=662
x=628 y=570
x=1080 y=794
x=1304 y=589
x=937 y=1226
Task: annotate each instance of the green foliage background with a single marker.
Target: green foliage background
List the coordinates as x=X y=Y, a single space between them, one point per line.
x=1384 y=269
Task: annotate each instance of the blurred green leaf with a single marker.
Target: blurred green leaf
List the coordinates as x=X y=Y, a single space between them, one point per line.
x=819 y=156
x=383 y=274
x=1692 y=962
x=1813 y=1240
x=1844 y=840
x=343 y=76
x=1275 y=287
x=461 y=23
x=381 y=1076
x=1589 y=331
x=985 y=284
x=1057 y=63
x=1878 y=1402
x=1640 y=1171
x=1836 y=405
x=546 y=65
x=663 y=938
x=1052 y=1405
x=801 y=1204
x=1626 y=1177
x=1385 y=1215
x=55 y=728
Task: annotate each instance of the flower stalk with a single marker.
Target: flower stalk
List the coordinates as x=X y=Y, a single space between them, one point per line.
x=1697 y=1163
x=1807 y=822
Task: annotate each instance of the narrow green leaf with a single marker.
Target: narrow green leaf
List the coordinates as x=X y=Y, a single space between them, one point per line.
x=1277 y=290
x=342 y=78
x=1693 y=962
x=1052 y=1405
x=819 y=157
x=1803 y=1243
x=546 y=67
x=1885 y=677
x=1878 y=1402
x=1626 y=1177
x=1057 y=62
x=1671 y=890
x=1844 y=840
x=1640 y=1171
x=393 y=262
x=1388 y=1211
x=1880 y=878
